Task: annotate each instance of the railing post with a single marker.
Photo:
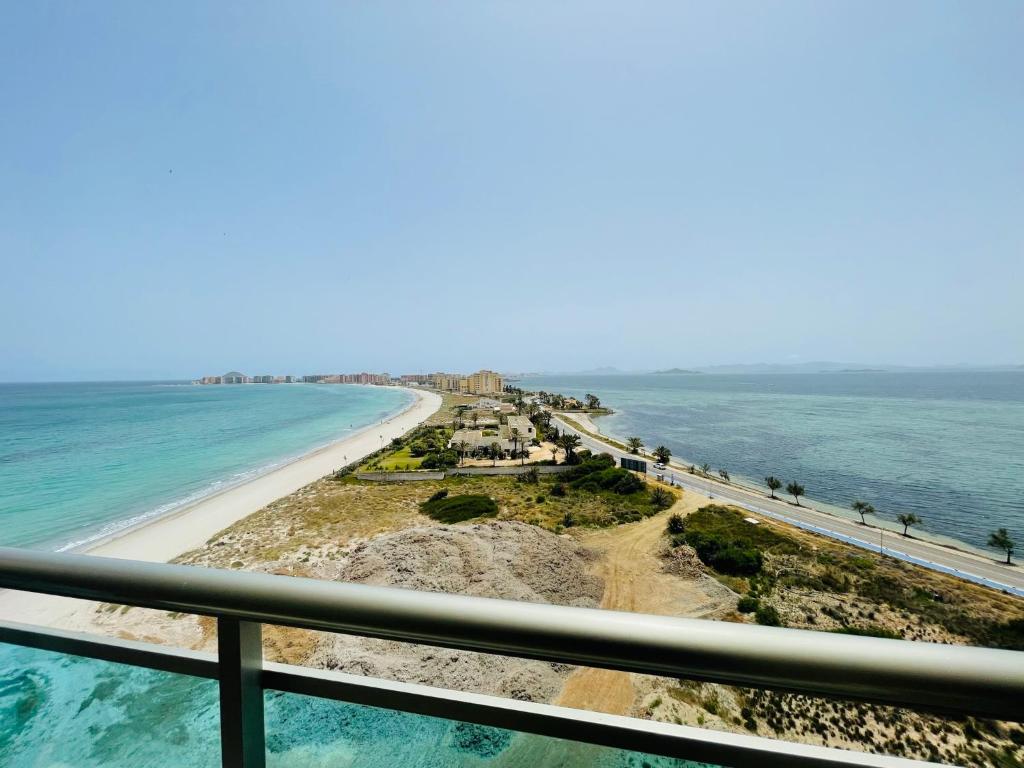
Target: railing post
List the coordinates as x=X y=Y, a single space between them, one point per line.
x=240 y=652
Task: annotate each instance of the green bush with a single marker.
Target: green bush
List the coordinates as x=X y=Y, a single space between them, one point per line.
x=768 y=616
x=661 y=499
x=438 y=496
x=540 y=499
x=530 y=476
x=676 y=525
x=568 y=520
x=440 y=460
x=558 y=490
x=869 y=631
x=588 y=466
x=617 y=480
x=747 y=604
x=733 y=558
x=455 y=509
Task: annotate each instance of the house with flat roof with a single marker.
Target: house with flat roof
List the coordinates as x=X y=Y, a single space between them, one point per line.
x=526 y=428
x=477 y=440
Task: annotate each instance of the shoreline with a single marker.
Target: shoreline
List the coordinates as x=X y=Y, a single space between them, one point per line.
x=163 y=538
x=191 y=525
x=186 y=504
x=974 y=563
x=749 y=485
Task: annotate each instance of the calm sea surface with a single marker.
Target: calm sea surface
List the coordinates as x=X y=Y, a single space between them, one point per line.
x=947 y=446
x=80 y=461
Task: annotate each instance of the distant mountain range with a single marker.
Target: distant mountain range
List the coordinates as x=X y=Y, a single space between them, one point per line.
x=826 y=366
x=817 y=366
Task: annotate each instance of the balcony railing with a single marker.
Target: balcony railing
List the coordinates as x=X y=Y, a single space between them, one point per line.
x=951 y=680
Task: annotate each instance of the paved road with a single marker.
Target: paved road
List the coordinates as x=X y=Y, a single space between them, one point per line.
x=963 y=564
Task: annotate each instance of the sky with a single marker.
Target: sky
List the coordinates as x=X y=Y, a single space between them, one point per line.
x=190 y=188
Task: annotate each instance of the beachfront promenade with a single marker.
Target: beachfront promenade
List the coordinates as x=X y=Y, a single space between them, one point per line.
x=969 y=566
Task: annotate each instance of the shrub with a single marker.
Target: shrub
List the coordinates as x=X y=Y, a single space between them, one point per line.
x=733 y=558
x=440 y=460
x=661 y=499
x=627 y=516
x=558 y=490
x=747 y=604
x=438 y=496
x=620 y=481
x=588 y=466
x=869 y=631
x=627 y=483
x=768 y=616
x=675 y=524
x=540 y=499
x=531 y=476
x=568 y=520
x=455 y=509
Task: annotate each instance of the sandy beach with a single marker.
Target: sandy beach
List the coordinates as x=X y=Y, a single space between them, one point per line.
x=165 y=538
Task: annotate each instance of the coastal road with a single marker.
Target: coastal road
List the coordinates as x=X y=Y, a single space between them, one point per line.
x=965 y=565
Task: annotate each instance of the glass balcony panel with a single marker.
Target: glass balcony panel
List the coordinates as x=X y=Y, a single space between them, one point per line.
x=61 y=711
x=308 y=732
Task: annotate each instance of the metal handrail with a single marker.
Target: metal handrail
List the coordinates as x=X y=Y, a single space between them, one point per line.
x=926 y=676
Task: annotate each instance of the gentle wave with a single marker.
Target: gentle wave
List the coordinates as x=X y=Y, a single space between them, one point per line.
x=84 y=463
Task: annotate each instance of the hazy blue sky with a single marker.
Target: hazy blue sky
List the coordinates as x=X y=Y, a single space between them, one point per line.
x=195 y=187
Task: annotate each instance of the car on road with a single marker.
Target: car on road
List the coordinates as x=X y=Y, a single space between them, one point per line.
x=659 y=466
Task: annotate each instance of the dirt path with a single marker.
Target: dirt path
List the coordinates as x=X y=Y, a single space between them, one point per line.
x=634 y=581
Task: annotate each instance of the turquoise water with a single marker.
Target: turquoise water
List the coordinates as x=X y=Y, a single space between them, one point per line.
x=947 y=446
x=60 y=711
x=80 y=461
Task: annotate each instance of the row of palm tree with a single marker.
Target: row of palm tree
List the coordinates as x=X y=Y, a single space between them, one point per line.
x=661 y=453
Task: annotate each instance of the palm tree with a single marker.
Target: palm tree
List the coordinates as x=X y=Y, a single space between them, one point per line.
x=862 y=508
x=495 y=451
x=705 y=469
x=514 y=435
x=635 y=444
x=554 y=450
x=908 y=520
x=569 y=444
x=773 y=484
x=1001 y=540
x=724 y=474
x=593 y=401
x=462 y=445
x=662 y=454
x=795 y=490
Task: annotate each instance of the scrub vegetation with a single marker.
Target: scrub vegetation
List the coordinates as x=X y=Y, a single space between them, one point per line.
x=787 y=577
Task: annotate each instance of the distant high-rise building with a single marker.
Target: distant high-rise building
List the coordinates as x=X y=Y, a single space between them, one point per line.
x=479 y=383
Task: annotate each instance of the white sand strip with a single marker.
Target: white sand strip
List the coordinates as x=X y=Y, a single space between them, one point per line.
x=167 y=537
x=190 y=527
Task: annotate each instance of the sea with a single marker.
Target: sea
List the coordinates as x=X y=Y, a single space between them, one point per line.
x=947 y=446
x=82 y=461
